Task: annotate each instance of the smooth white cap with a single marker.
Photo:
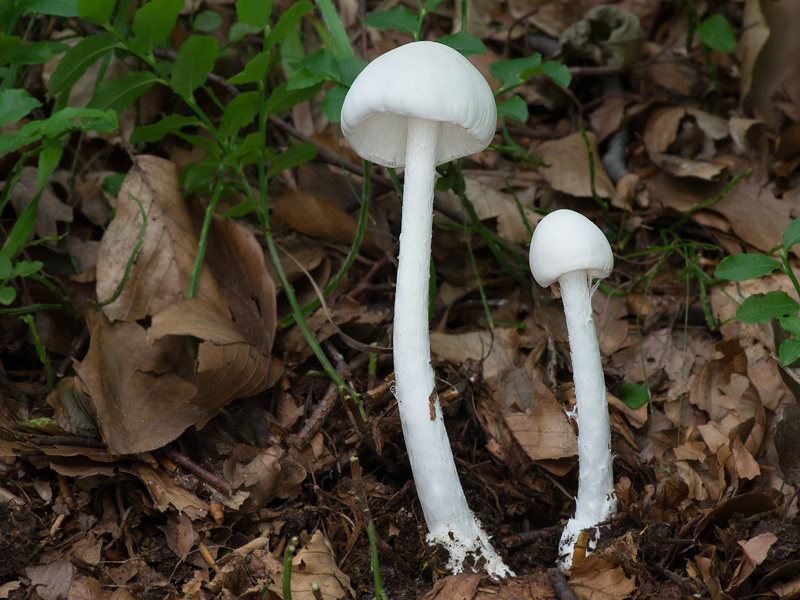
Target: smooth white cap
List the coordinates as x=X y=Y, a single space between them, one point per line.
x=424 y=80
x=566 y=241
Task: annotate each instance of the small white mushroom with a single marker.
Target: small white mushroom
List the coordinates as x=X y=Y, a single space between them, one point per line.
x=569 y=248
x=419 y=106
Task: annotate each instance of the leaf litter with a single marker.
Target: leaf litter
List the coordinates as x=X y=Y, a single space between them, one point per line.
x=189 y=438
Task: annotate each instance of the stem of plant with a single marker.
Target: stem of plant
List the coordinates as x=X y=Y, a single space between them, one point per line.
x=286 y=576
x=363 y=504
x=351 y=256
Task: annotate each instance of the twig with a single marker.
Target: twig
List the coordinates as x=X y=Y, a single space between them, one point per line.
x=66 y=440
x=214 y=480
x=560 y=585
x=76 y=351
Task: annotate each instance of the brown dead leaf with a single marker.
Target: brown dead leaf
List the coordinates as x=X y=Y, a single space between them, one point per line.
x=139 y=404
x=566 y=167
x=50 y=211
x=315 y=563
x=598 y=579
x=315 y=216
x=162 y=267
x=165 y=493
x=535 y=418
x=496 y=349
x=492 y=204
x=775 y=85
x=263 y=473
x=755 y=551
x=51 y=581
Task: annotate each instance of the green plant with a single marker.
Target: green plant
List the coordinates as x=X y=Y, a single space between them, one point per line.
x=763 y=308
x=714 y=33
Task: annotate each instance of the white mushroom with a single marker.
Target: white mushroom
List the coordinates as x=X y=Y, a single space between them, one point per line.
x=419 y=106
x=568 y=247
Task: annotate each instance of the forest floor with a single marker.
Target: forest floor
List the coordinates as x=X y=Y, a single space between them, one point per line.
x=151 y=458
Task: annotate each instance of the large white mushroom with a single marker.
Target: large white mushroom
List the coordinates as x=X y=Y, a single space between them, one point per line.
x=568 y=248
x=419 y=106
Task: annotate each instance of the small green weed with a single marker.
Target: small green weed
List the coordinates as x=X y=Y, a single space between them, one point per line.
x=763 y=308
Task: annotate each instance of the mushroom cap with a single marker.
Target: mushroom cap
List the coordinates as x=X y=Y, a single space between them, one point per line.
x=424 y=80
x=566 y=241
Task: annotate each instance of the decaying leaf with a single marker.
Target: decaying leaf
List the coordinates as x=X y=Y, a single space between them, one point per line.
x=599 y=579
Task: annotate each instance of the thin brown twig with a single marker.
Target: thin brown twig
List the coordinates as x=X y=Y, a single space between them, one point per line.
x=560 y=585
x=218 y=482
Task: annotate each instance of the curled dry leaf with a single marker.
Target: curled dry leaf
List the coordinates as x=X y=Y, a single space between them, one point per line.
x=165 y=493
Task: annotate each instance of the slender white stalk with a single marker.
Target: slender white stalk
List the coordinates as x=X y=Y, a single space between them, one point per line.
x=449 y=519
x=596 y=500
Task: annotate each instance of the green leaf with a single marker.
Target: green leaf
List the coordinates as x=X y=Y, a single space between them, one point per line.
x=119 y=94
x=715 y=32
x=350 y=68
x=153 y=22
x=240 y=112
x=398 y=18
x=289 y=21
x=513 y=108
x=255 y=13
x=208 y=20
x=7 y=295
x=789 y=351
x=294 y=156
x=432 y=5
x=248 y=151
x=113 y=183
x=9 y=44
x=11 y=142
x=70 y=119
x=56 y=8
x=5 y=267
x=634 y=395
x=341 y=43
x=49 y=158
x=25 y=268
x=194 y=62
x=15 y=104
x=791 y=235
x=516 y=71
x=320 y=66
x=558 y=73
x=77 y=59
x=282 y=98
x=96 y=12
x=156 y=131
x=332 y=103
x=303 y=78
x=763 y=308
x=741 y=267
x=791 y=324
x=36 y=53
x=241 y=30
x=255 y=71
x=23 y=227
x=466 y=43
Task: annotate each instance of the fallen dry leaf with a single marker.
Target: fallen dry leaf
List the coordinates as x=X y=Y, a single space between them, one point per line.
x=599 y=579
x=161 y=268
x=315 y=563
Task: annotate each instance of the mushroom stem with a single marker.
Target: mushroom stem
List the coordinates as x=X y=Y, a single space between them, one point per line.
x=596 y=500
x=449 y=519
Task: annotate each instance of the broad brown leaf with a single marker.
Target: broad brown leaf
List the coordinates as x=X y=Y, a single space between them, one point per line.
x=139 y=404
x=160 y=272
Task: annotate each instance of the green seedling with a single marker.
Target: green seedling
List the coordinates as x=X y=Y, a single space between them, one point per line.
x=778 y=305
